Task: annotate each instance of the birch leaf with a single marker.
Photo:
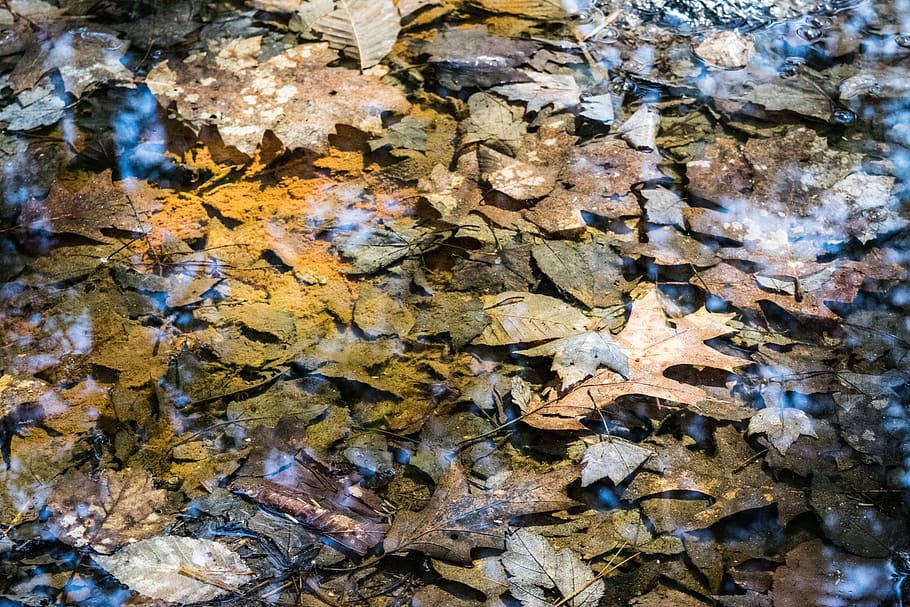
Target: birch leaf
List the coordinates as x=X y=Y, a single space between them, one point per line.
x=782 y=426
x=362 y=29
x=517 y=317
x=178 y=569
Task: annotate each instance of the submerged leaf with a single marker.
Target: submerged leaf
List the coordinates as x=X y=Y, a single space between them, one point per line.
x=536 y=9
x=363 y=29
x=578 y=357
x=782 y=426
x=517 y=317
x=178 y=569
x=534 y=567
x=614 y=459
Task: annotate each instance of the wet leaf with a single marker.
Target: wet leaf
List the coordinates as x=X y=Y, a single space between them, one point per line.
x=726 y=50
x=653 y=344
x=598 y=107
x=589 y=271
x=817 y=574
x=492 y=121
x=782 y=426
x=640 y=130
x=664 y=206
x=363 y=29
x=178 y=569
x=535 y=567
x=517 y=317
x=106 y=512
x=513 y=177
x=84 y=56
x=560 y=91
x=292 y=94
x=732 y=477
x=613 y=458
x=578 y=357
x=456 y=520
x=40 y=106
x=536 y=9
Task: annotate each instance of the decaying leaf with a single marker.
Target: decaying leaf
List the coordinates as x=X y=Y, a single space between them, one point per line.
x=363 y=29
x=590 y=271
x=517 y=317
x=613 y=458
x=292 y=94
x=456 y=520
x=178 y=569
x=535 y=567
x=782 y=426
x=513 y=177
x=107 y=512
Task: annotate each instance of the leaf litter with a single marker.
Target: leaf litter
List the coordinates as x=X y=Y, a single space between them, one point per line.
x=539 y=287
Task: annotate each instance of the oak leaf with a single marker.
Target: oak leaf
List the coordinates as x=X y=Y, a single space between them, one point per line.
x=653 y=344
x=457 y=520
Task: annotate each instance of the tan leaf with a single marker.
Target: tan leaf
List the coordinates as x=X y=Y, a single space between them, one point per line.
x=362 y=29
x=536 y=9
x=653 y=345
x=517 y=317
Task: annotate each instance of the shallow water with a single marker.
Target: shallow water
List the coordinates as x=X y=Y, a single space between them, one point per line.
x=611 y=308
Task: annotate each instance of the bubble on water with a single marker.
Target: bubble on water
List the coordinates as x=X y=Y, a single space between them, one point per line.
x=902 y=40
x=807 y=32
x=608 y=35
x=843 y=116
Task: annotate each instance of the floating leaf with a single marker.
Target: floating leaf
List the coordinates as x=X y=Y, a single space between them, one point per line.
x=782 y=426
x=517 y=317
x=614 y=459
x=535 y=567
x=362 y=29
x=178 y=569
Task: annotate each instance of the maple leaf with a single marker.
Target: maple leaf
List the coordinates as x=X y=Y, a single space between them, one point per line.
x=292 y=94
x=652 y=346
x=456 y=520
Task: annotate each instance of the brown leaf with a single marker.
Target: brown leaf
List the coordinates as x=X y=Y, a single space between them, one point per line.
x=653 y=345
x=735 y=487
x=106 y=512
x=363 y=29
x=292 y=94
x=536 y=9
x=98 y=205
x=456 y=520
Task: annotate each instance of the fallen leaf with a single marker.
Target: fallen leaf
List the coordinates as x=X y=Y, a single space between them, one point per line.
x=492 y=121
x=536 y=9
x=782 y=426
x=640 y=130
x=559 y=90
x=293 y=94
x=106 y=512
x=515 y=178
x=590 y=271
x=818 y=574
x=535 y=567
x=726 y=50
x=675 y=468
x=456 y=520
x=578 y=357
x=178 y=569
x=363 y=29
x=613 y=458
x=517 y=317
x=653 y=343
